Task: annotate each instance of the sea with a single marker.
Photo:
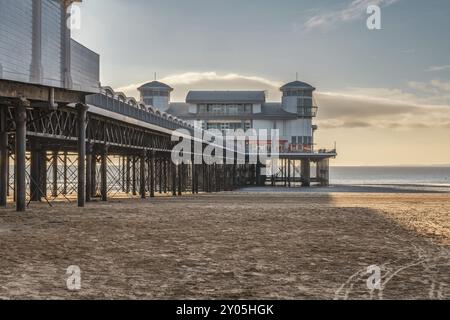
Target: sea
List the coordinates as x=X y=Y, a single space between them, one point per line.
x=422 y=176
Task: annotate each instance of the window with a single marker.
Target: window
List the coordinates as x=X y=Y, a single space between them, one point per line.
x=225 y=109
x=217 y=109
x=294 y=140
x=296 y=93
x=305 y=107
x=303 y=140
x=233 y=109
x=248 y=125
x=148 y=101
x=156 y=93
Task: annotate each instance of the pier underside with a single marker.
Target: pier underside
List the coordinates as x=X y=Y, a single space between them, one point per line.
x=53 y=146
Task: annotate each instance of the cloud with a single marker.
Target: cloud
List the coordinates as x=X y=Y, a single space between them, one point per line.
x=193 y=77
x=210 y=81
x=353 y=11
x=436 y=91
x=379 y=108
x=427 y=105
x=438 y=68
x=443 y=86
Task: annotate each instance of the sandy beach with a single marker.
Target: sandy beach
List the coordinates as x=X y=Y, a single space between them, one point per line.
x=253 y=244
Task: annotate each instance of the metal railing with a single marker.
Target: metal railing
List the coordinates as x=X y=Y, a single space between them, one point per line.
x=114 y=105
x=307 y=112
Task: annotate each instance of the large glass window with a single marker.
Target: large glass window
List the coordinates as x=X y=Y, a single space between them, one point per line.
x=305 y=107
x=245 y=125
x=148 y=101
x=298 y=93
x=155 y=93
x=233 y=109
x=225 y=109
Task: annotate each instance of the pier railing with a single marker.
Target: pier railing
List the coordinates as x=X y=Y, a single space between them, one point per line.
x=138 y=112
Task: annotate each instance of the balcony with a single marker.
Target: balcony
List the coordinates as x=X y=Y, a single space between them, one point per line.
x=295 y=148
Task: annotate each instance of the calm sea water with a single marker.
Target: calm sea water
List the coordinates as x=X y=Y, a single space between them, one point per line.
x=439 y=176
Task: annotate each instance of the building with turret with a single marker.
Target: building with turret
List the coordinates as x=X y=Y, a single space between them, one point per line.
x=156 y=94
x=224 y=110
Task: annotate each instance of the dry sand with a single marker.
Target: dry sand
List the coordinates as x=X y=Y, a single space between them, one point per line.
x=274 y=246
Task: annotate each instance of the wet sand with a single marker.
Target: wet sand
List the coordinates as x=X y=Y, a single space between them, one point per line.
x=285 y=245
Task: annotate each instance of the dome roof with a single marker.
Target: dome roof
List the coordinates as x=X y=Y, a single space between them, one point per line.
x=156 y=85
x=297 y=85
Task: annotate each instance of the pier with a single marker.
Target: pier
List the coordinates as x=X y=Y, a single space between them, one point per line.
x=64 y=137
x=101 y=146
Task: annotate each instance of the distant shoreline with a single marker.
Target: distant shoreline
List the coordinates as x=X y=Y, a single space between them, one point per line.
x=392 y=166
x=354 y=188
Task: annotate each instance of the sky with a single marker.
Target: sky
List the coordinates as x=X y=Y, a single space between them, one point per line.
x=384 y=95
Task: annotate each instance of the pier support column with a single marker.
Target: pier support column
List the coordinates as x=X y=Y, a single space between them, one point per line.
x=89 y=186
x=224 y=178
x=185 y=177
x=272 y=171
x=306 y=173
x=209 y=182
x=289 y=173
x=4 y=156
x=293 y=171
x=180 y=178
x=142 y=175
x=35 y=168
x=104 y=174
x=160 y=175
x=65 y=173
x=216 y=178
x=128 y=175
x=94 y=174
x=213 y=177
x=205 y=177
x=258 y=174
x=20 y=154
x=233 y=173
x=174 y=179
x=193 y=176
x=43 y=173
x=82 y=125
x=123 y=170
x=197 y=184
x=323 y=172
x=55 y=174
x=151 y=168
x=165 y=165
x=134 y=187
